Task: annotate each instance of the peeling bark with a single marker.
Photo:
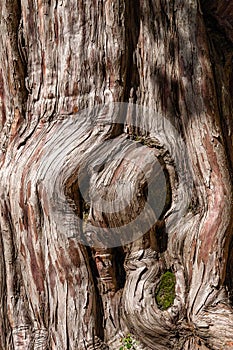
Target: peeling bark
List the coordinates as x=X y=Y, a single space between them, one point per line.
x=58 y=58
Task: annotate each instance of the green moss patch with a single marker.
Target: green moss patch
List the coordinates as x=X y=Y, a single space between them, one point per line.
x=165 y=292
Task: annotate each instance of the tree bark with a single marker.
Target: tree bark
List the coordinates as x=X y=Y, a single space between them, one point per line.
x=58 y=58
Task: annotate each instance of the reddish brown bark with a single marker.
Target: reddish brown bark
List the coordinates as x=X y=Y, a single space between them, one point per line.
x=58 y=58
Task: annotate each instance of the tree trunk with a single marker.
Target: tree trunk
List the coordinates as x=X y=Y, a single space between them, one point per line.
x=169 y=64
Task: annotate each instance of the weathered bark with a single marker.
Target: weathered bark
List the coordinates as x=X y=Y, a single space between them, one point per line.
x=58 y=58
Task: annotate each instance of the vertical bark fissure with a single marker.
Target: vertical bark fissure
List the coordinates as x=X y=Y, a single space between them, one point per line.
x=13 y=74
x=132 y=26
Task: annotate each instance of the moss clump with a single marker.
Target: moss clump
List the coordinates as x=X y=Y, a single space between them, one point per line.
x=165 y=292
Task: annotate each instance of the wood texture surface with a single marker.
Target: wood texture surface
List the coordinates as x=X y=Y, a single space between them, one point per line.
x=57 y=58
